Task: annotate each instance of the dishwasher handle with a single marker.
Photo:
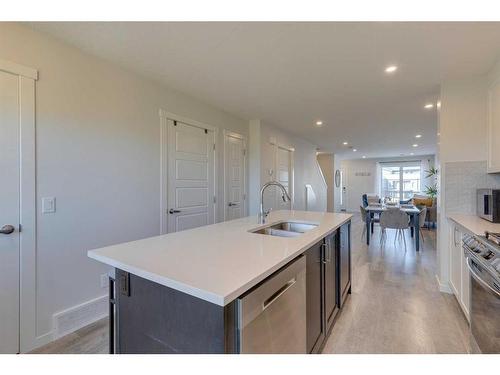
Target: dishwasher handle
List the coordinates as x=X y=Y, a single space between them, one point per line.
x=264 y=297
x=278 y=293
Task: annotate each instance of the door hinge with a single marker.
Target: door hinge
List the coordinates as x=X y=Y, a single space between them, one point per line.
x=214 y=146
x=244 y=152
x=175 y=122
x=20 y=228
x=206 y=131
x=215 y=199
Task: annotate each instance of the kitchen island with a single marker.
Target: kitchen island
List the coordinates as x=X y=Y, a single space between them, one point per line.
x=178 y=293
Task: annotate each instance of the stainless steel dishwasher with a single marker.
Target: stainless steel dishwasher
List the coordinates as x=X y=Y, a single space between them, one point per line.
x=272 y=316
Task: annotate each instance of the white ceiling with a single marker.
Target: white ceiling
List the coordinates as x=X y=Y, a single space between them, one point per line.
x=291 y=74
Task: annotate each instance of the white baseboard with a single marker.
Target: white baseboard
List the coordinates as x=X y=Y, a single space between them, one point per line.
x=76 y=317
x=445 y=288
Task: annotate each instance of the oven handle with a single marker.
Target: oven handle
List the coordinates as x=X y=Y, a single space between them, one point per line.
x=481 y=281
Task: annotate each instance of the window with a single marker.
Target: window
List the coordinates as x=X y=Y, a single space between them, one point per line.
x=399 y=181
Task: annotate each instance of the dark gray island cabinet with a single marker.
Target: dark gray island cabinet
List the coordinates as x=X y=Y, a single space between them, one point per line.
x=328 y=284
x=147 y=317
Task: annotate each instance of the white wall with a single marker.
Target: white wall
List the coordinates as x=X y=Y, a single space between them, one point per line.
x=254 y=165
x=98 y=153
x=337 y=193
x=357 y=185
x=462 y=129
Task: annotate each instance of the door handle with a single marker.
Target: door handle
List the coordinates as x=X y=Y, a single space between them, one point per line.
x=323 y=254
x=231 y=204
x=7 y=229
x=329 y=251
x=478 y=278
x=278 y=293
x=172 y=211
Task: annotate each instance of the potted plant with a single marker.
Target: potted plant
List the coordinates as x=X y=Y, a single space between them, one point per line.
x=432 y=190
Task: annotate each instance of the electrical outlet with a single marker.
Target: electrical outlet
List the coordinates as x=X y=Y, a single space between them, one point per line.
x=104 y=280
x=48 y=205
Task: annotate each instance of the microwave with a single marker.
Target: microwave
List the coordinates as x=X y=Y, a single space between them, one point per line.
x=488 y=204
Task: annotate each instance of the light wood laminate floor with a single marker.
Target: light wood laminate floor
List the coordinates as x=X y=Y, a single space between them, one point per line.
x=395 y=306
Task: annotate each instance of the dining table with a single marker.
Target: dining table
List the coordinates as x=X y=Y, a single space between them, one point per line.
x=412 y=211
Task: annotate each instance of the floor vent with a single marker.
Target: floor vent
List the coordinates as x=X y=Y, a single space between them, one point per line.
x=79 y=316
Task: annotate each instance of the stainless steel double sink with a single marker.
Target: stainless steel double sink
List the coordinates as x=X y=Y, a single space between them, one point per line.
x=285 y=229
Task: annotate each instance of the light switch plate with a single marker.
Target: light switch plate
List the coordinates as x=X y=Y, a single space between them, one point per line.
x=104 y=280
x=48 y=205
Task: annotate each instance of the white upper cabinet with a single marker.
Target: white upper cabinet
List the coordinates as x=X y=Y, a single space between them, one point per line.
x=494 y=127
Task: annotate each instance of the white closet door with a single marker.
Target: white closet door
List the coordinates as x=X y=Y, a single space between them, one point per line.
x=191 y=173
x=234 y=176
x=283 y=176
x=9 y=213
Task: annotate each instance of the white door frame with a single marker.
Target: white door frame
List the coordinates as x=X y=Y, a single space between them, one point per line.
x=164 y=117
x=27 y=211
x=227 y=133
x=291 y=182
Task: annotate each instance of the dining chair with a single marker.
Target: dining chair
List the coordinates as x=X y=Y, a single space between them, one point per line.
x=421 y=221
x=394 y=218
x=363 y=212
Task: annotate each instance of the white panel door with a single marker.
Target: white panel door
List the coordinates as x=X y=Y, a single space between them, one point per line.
x=190 y=176
x=9 y=213
x=283 y=176
x=234 y=156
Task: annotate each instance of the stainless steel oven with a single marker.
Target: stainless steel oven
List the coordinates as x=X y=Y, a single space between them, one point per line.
x=483 y=260
x=488 y=204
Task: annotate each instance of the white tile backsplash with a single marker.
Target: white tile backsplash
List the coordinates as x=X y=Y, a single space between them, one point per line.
x=462 y=179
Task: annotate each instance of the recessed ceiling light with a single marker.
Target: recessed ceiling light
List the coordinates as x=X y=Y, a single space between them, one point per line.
x=319 y=123
x=391 y=69
x=438 y=104
x=364 y=157
x=418 y=136
x=428 y=106
x=415 y=145
x=345 y=143
x=354 y=150
x=411 y=153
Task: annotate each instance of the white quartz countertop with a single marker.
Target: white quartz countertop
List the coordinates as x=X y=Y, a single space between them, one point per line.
x=474 y=224
x=218 y=262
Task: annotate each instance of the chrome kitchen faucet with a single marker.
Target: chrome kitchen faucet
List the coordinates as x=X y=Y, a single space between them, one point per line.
x=284 y=195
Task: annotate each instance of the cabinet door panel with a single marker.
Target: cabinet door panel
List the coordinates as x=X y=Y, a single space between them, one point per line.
x=465 y=295
x=330 y=279
x=314 y=296
x=455 y=262
x=344 y=262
